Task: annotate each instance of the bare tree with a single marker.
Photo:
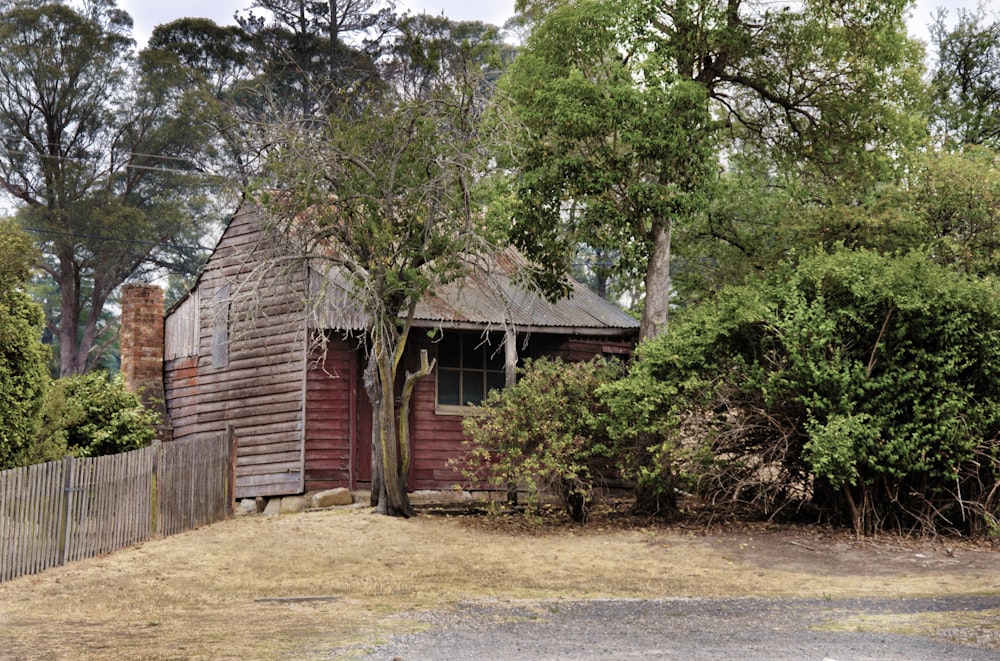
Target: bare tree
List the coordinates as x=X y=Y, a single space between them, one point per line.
x=381 y=201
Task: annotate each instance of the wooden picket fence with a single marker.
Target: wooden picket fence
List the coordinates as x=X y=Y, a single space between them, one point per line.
x=62 y=511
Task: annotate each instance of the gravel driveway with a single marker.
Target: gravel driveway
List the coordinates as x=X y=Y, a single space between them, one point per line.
x=689 y=629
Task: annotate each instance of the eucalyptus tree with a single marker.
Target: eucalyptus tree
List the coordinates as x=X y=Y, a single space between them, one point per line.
x=213 y=64
x=97 y=157
x=312 y=54
x=622 y=115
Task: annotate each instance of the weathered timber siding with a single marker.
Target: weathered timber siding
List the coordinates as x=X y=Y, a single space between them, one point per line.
x=576 y=349
x=436 y=438
x=331 y=416
x=180 y=378
x=249 y=367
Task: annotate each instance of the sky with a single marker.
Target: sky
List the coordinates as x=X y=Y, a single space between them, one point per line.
x=147 y=14
x=150 y=13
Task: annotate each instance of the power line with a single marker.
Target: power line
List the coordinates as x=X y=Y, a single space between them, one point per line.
x=96 y=237
x=131 y=166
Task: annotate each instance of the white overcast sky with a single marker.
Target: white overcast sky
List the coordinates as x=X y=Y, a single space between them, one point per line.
x=147 y=14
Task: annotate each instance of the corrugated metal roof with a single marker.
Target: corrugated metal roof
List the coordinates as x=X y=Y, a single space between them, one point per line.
x=488 y=296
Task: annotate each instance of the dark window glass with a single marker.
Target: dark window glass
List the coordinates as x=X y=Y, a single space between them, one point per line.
x=449 y=384
x=472 y=353
x=472 y=387
x=469 y=366
x=495 y=381
x=495 y=356
x=448 y=353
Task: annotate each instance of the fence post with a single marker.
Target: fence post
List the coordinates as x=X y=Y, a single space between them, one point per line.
x=231 y=472
x=157 y=508
x=68 y=490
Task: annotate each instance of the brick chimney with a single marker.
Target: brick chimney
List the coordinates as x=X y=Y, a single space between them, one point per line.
x=142 y=347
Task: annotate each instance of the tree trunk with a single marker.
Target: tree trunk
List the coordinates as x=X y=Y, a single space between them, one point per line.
x=375 y=397
x=391 y=498
x=654 y=314
x=510 y=380
x=69 y=315
x=426 y=367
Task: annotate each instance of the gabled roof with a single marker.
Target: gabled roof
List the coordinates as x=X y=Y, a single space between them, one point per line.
x=491 y=296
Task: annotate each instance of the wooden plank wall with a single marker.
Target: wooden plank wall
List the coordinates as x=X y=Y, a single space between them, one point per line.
x=436 y=438
x=260 y=391
x=331 y=415
x=180 y=390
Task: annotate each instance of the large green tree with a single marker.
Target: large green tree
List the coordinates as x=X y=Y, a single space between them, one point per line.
x=314 y=54
x=98 y=158
x=623 y=113
x=215 y=66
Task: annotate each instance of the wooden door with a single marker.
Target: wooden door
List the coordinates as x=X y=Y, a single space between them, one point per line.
x=362 y=468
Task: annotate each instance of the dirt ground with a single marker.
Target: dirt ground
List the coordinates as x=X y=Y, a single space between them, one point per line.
x=297 y=586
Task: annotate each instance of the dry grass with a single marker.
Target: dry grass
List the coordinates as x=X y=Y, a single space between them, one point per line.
x=226 y=591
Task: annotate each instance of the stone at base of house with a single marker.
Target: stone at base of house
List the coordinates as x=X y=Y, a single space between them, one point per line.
x=247 y=506
x=292 y=504
x=440 y=496
x=273 y=507
x=331 y=498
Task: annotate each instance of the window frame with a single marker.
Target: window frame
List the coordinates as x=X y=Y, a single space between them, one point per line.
x=483 y=346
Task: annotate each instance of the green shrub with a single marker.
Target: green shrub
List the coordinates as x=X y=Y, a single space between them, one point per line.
x=23 y=358
x=23 y=376
x=865 y=385
x=91 y=415
x=546 y=433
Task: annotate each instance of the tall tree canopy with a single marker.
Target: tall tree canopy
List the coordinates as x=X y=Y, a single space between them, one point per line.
x=624 y=112
x=966 y=80
x=98 y=157
x=312 y=54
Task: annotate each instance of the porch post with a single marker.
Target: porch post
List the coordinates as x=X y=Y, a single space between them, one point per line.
x=510 y=378
x=510 y=356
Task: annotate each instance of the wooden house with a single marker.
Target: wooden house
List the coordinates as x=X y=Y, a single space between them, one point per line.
x=302 y=419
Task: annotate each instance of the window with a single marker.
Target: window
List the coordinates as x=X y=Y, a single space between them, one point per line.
x=220 y=327
x=469 y=366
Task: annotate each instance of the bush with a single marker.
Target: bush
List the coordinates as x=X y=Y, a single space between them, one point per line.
x=23 y=358
x=546 y=433
x=91 y=415
x=865 y=385
x=24 y=376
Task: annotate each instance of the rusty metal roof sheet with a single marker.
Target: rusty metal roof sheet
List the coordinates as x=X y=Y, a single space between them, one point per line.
x=491 y=295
